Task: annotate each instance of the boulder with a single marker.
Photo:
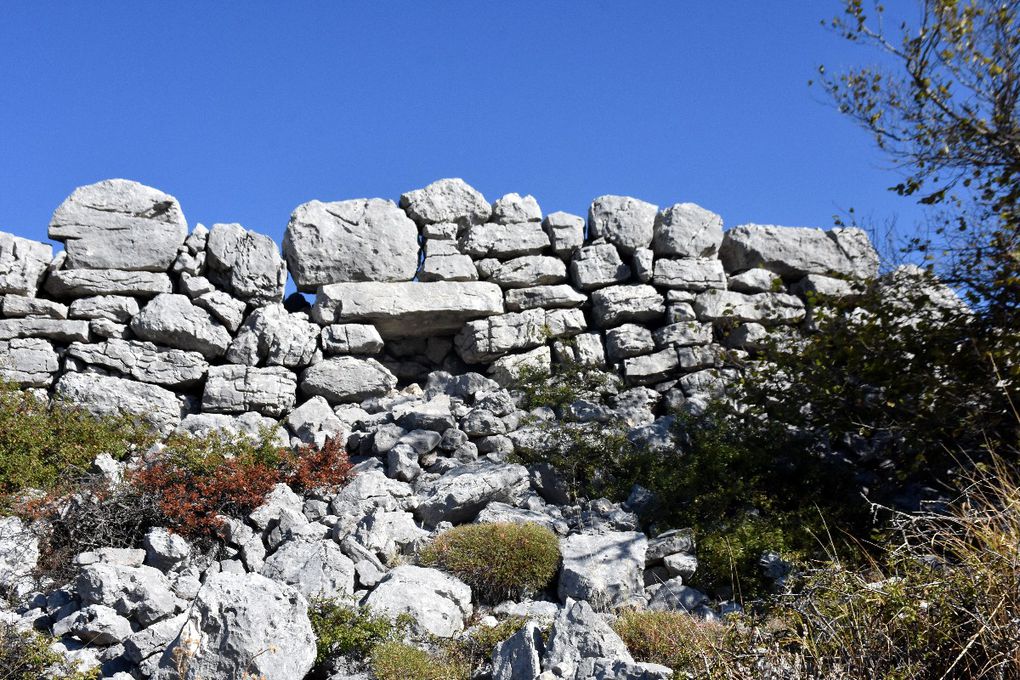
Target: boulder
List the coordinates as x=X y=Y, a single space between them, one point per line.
x=507 y=370
x=545 y=297
x=444 y=262
x=28 y=362
x=357 y=240
x=228 y=310
x=621 y=304
x=691 y=274
x=597 y=266
x=245 y=264
x=514 y=209
x=577 y=633
x=566 y=232
x=144 y=361
x=755 y=280
x=764 y=308
x=459 y=495
x=520 y=655
x=243 y=624
x=58 y=330
x=437 y=602
x=314 y=421
x=119 y=224
x=106 y=395
x=173 y=320
x=273 y=336
x=628 y=340
x=116 y=308
x=19 y=554
x=487 y=339
x=66 y=283
x=857 y=247
x=687 y=230
x=446 y=200
x=683 y=334
x=315 y=568
x=20 y=306
x=530 y=270
x=23 y=264
x=165 y=550
x=604 y=570
x=626 y=222
x=350 y=338
x=100 y=626
x=794 y=252
x=270 y=391
x=389 y=533
x=618 y=669
x=250 y=425
x=673 y=595
x=137 y=592
x=504 y=240
x=347 y=379
x=408 y=309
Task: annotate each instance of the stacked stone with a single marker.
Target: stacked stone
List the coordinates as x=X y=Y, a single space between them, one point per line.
x=191 y=330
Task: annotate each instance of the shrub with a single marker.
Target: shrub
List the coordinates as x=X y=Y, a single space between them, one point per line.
x=43 y=446
x=196 y=479
x=26 y=655
x=498 y=560
x=476 y=648
x=400 y=661
x=345 y=630
x=570 y=381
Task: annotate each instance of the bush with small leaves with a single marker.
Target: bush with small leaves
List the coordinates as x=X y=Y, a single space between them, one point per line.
x=500 y=560
x=342 y=629
x=26 y=655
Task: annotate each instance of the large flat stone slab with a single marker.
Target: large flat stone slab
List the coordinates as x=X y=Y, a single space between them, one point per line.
x=88 y=282
x=408 y=309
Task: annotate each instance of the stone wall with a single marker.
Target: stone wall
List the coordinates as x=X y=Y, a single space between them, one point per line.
x=139 y=314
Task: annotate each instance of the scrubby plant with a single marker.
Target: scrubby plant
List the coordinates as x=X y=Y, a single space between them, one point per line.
x=43 y=446
x=569 y=382
x=477 y=646
x=344 y=630
x=499 y=560
x=401 y=661
x=26 y=655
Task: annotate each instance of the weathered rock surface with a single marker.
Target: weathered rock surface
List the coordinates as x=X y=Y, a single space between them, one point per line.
x=351 y=338
x=460 y=495
x=19 y=554
x=604 y=569
x=514 y=209
x=794 y=252
x=23 y=264
x=446 y=200
x=273 y=336
x=119 y=224
x=314 y=567
x=530 y=270
x=690 y=274
x=357 y=240
x=597 y=266
x=84 y=282
x=764 y=308
x=621 y=304
x=623 y=221
x=245 y=264
x=173 y=320
x=687 y=230
x=436 y=601
x=117 y=308
x=504 y=240
x=29 y=362
x=408 y=309
x=271 y=391
x=58 y=330
x=545 y=297
x=106 y=395
x=347 y=379
x=520 y=655
x=579 y=633
x=566 y=232
x=144 y=361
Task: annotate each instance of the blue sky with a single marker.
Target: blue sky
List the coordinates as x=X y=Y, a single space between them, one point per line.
x=245 y=110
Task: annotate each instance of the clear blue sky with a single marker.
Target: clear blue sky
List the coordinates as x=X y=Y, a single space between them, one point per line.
x=245 y=110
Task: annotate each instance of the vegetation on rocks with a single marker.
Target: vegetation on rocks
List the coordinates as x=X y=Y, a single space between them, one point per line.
x=401 y=661
x=26 y=655
x=499 y=561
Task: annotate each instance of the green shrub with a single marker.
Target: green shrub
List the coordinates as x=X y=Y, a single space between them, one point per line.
x=500 y=560
x=569 y=382
x=476 y=648
x=42 y=447
x=26 y=655
x=400 y=661
x=345 y=630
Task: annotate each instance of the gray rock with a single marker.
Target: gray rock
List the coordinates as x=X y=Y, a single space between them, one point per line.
x=604 y=570
x=628 y=340
x=621 y=304
x=520 y=655
x=546 y=297
x=347 y=379
x=585 y=349
x=441 y=231
x=23 y=264
x=669 y=543
x=149 y=642
x=617 y=669
x=691 y=274
x=755 y=280
x=596 y=266
x=507 y=370
x=19 y=554
x=687 y=230
x=248 y=425
x=858 y=248
x=108 y=330
x=227 y=310
x=504 y=240
x=243 y=623
x=357 y=240
x=446 y=200
x=642 y=262
x=315 y=568
x=502 y=513
x=173 y=320
x=65 y=283
x=144 y=361
x=245 y=264
x=100 y=626
x=748 y=336
x=681 y=564
x=106 y=395
x=270 y=391
x=116 y=308
x=818 y=286
x=119 y=224
x=434 y=414
x=794 y=252
x=487 y=339
x=18 y=306
x=402 y=463
x=408 y=309
x=460 y=495
x=530 y=270
x=566 y=232
x=28 y=362
x=444 y=262
x=195 y=286
x=514 y=208
x=314 y=421
x=764 y=308
x=673 y=595
x=579 y=633
x=388 y=534
x=58 y=330
x=273 y=336
x=165 y=550
x=438 y=602
x=683 y=334
x=351 y=338
x=138 y=592
x=623 y=221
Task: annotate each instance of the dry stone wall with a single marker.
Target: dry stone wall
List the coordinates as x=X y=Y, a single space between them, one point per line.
x=191 y=328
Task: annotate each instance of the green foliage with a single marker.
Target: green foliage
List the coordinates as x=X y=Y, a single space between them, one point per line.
x=345 y=630
x=570 y=381
x=26 y=655
x=400 y=661
x=42 y=446
x=499 y=560
x=477 y=646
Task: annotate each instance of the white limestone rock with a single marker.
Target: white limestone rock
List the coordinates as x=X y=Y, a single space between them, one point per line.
x=20 y=306
x=314 y=567
x=446 y=200
x=529 y=270
x=504 y=241
x=794 y=252
x=273 y=336
x=116 y=308
x=347 y=379
x=459 y=495
x=597 y=266
x=70 y=283
x=105 y=395
x=144 y=361
x=437 y=602
x=628 y=340
x=690 y=274
x=544 y=297
x=683 y=334
x=245 y=264
x=271 y=391
x=173 y=320
x=687 y=230
x=228 y=310
x=28 y=362
x=578 y=632
x=566 y=232
x=520 y=655
x=357 y=240
x=764 y=308
x=623 y=221
x=604 y=570
x=507 y=370
x=19 y=554
x=755 y=280
x=649 y=369
x=514 y=208
x=630 y=303
x=23 y=264
x=119 y=224
x=444 y=262
x=58 y=330
x=350 y=338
